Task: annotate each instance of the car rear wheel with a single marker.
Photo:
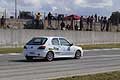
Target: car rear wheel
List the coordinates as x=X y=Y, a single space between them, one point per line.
x=29 y=58
x=50 y=56
x=77 y=54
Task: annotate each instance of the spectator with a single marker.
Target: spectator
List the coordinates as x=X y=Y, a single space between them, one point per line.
x=76 y=27
x=98 y=18
x=104 y=23
x=68 y=27
x=62 y=25
x=81 y=23
x=108 y=24
x=101 y=22
x=3 y=22
x=88 y=22
x=95 y=18
x=49 y=19
x=37 y=19
x=91 y=23
x=94 y=24
x=33 y=19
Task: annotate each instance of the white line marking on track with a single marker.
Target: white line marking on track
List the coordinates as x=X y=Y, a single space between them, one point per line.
x=102 y=49
x=101 y=56
x=14 y=54
x=1 y=54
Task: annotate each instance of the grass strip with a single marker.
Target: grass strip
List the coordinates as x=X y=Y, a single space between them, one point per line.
x=100 y=46
x=10 y=50
x=101 y=76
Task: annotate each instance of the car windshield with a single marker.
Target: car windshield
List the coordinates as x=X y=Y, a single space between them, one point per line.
x=37 y=41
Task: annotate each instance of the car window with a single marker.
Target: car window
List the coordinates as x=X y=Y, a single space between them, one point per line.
x=37 y=41
x=55 y=41
x=64 y=42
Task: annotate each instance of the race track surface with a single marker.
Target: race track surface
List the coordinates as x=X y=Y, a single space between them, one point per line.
x=15 y=67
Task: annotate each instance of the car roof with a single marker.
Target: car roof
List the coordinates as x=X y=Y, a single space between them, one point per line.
x=49 y=37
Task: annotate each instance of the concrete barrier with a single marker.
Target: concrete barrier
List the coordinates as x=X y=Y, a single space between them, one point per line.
x=17 y=38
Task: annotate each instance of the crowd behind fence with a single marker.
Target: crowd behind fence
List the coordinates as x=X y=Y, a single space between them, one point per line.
x=59 y=22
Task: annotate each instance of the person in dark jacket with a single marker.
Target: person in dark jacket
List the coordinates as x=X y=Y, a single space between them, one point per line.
x=3 y=22
x=91 y=23
x=76 y=27
x=88 y=23
x=49 y=19
x=62 y=25
x=81 y=23
x=108 y=24
x=104 y=23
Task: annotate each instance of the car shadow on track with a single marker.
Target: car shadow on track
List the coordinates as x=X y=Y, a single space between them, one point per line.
x=41 y=60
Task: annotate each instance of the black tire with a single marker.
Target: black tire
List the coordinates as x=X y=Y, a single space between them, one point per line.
x=29 y=58
x=50 y=56
x=77 y=54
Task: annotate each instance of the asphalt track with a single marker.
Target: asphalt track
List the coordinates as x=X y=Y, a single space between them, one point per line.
x=15 y=67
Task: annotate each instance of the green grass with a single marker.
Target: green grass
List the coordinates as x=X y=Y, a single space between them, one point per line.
x=97 y=46
x=100 y=46
x=10 y=50
x=100 y=76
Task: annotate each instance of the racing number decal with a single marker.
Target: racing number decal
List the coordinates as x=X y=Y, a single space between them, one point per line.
x=68 y=49
x=51 y=49
x=55 y=48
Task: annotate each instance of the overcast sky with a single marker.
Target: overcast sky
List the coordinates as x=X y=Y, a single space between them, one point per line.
x=80 y=7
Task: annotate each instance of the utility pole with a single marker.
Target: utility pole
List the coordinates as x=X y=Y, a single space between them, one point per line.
x=5 y=14
x=15 y=9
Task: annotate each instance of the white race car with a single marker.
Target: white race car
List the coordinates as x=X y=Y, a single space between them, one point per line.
x=50 y=48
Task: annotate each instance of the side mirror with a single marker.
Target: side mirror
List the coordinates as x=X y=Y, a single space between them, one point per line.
x=71 y=44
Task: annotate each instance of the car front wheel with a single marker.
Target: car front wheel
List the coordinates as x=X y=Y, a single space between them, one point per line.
x=50 y=56
x=77 y=54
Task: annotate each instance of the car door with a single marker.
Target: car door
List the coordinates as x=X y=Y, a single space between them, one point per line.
x=65 y=46
x=56 y=46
